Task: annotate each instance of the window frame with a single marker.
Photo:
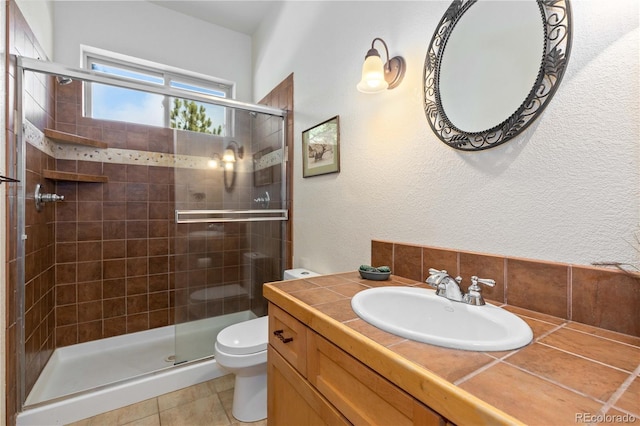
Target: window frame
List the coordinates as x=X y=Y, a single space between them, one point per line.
x=169 y=75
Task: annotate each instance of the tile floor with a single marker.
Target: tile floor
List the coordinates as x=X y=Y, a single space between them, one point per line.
x=205 y=404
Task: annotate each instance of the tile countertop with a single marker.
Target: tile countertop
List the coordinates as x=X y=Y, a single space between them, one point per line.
x=570 y=374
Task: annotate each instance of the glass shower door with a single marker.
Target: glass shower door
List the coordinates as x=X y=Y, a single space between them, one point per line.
x=230 y=223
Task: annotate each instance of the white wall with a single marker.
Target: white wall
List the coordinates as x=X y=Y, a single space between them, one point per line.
x=154 y=33
x=566 y=190
x=39 y=16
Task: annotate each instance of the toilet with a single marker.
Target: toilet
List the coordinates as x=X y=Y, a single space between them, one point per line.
x=241 y=349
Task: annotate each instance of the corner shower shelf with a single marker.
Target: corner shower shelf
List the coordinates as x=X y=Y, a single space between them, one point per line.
x=64 y=137
x=69 y=138
x=73 y=177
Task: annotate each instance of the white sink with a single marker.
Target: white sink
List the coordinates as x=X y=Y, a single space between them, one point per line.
x=418 y=314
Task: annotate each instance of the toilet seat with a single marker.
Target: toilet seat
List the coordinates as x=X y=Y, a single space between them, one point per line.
x=245 y=337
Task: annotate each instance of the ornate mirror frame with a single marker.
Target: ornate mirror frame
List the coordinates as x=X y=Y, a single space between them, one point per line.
x=557 y=35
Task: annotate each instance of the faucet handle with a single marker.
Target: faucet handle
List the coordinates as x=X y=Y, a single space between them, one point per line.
x=486 y=281
x=474 y=296
x=433 y=271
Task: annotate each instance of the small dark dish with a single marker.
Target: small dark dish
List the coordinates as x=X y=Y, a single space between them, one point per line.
x=375 y=276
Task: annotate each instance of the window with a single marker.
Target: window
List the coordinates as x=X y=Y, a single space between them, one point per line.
x=107 y=102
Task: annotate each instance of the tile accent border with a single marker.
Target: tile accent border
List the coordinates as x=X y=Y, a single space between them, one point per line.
x=598 y=297
x=61 y=151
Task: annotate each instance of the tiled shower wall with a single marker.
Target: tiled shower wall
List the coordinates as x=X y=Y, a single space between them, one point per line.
x=39 y=244
x=599 y=297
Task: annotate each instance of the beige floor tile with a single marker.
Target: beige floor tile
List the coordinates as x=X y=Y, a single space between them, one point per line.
x=206 y=411
x=226 y=398
x=184 y=396
x=124 y=415
x=205 y=404
x=147 y=421
x=260 y=423
x=222 y=383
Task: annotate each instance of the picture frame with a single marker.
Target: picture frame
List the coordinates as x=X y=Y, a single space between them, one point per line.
x=321 y=148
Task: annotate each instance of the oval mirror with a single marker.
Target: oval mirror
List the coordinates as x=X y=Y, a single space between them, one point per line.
x=485 y=82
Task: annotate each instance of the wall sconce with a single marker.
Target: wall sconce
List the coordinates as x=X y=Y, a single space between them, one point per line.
x=231 y=154
x=377 y=76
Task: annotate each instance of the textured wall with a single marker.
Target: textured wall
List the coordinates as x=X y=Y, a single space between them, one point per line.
x=154 y=33
x=566 y=190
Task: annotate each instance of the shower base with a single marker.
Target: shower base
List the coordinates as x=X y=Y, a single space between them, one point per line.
x=87 y=379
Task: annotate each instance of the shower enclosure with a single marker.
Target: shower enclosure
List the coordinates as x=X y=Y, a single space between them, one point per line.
x=141 y=229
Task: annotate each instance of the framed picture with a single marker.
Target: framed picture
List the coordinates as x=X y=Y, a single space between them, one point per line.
x=321 y=148
x=262 y=173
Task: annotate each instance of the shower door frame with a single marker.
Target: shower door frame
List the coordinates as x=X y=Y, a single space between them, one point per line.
x=24 y=64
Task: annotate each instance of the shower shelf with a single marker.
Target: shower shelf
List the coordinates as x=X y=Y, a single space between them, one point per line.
x=64 y=137
x=73 y=177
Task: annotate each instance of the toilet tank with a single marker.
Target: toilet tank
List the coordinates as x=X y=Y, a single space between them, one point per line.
x=298 y=273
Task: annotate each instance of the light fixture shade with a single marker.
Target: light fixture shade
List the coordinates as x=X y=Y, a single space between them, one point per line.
x=213 y=163
x=373 y=80
x=229 y=156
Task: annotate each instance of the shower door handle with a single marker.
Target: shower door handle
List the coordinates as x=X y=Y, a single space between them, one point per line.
x=220 y=216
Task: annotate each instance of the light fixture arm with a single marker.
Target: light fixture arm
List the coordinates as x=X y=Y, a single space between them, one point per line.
x=387 y=63
x=237 y=148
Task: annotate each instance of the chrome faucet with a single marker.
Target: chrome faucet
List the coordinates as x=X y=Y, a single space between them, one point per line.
x=445 y=285
x=449 y=287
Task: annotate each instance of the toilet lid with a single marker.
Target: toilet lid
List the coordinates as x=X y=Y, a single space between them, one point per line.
x=245 y=337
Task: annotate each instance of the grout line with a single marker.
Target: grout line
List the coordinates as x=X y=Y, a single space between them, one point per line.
x=604 y=337
x=393 y=257
x=553 y=330
x=618 y=393
x=569 y=292
x=505 y=274
x=553 y=382
x=585 y=358
x=476 y=372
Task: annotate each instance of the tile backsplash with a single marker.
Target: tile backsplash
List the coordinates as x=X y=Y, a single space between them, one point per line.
x=599 y=297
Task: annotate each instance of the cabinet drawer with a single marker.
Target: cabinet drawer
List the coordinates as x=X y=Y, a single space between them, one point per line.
x=359 y=393
x=288 y=336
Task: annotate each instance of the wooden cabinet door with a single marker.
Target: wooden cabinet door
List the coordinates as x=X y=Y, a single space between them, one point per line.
x=359 y=393
x=292 y=401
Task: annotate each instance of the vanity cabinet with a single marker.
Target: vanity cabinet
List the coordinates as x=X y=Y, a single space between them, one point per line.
x=291 y=400
x=312 y=381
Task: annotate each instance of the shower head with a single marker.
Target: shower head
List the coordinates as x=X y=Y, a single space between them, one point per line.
x=63 y=80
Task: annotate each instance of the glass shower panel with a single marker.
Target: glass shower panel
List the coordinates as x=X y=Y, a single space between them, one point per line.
x=229 y=226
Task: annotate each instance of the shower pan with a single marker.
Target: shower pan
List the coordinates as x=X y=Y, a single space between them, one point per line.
x=139 y=244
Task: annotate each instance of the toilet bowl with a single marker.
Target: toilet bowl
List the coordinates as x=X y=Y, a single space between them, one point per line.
x=241 y=349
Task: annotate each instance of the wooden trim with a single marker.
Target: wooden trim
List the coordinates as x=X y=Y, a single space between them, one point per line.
x=64 y=137
x=73 y=177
